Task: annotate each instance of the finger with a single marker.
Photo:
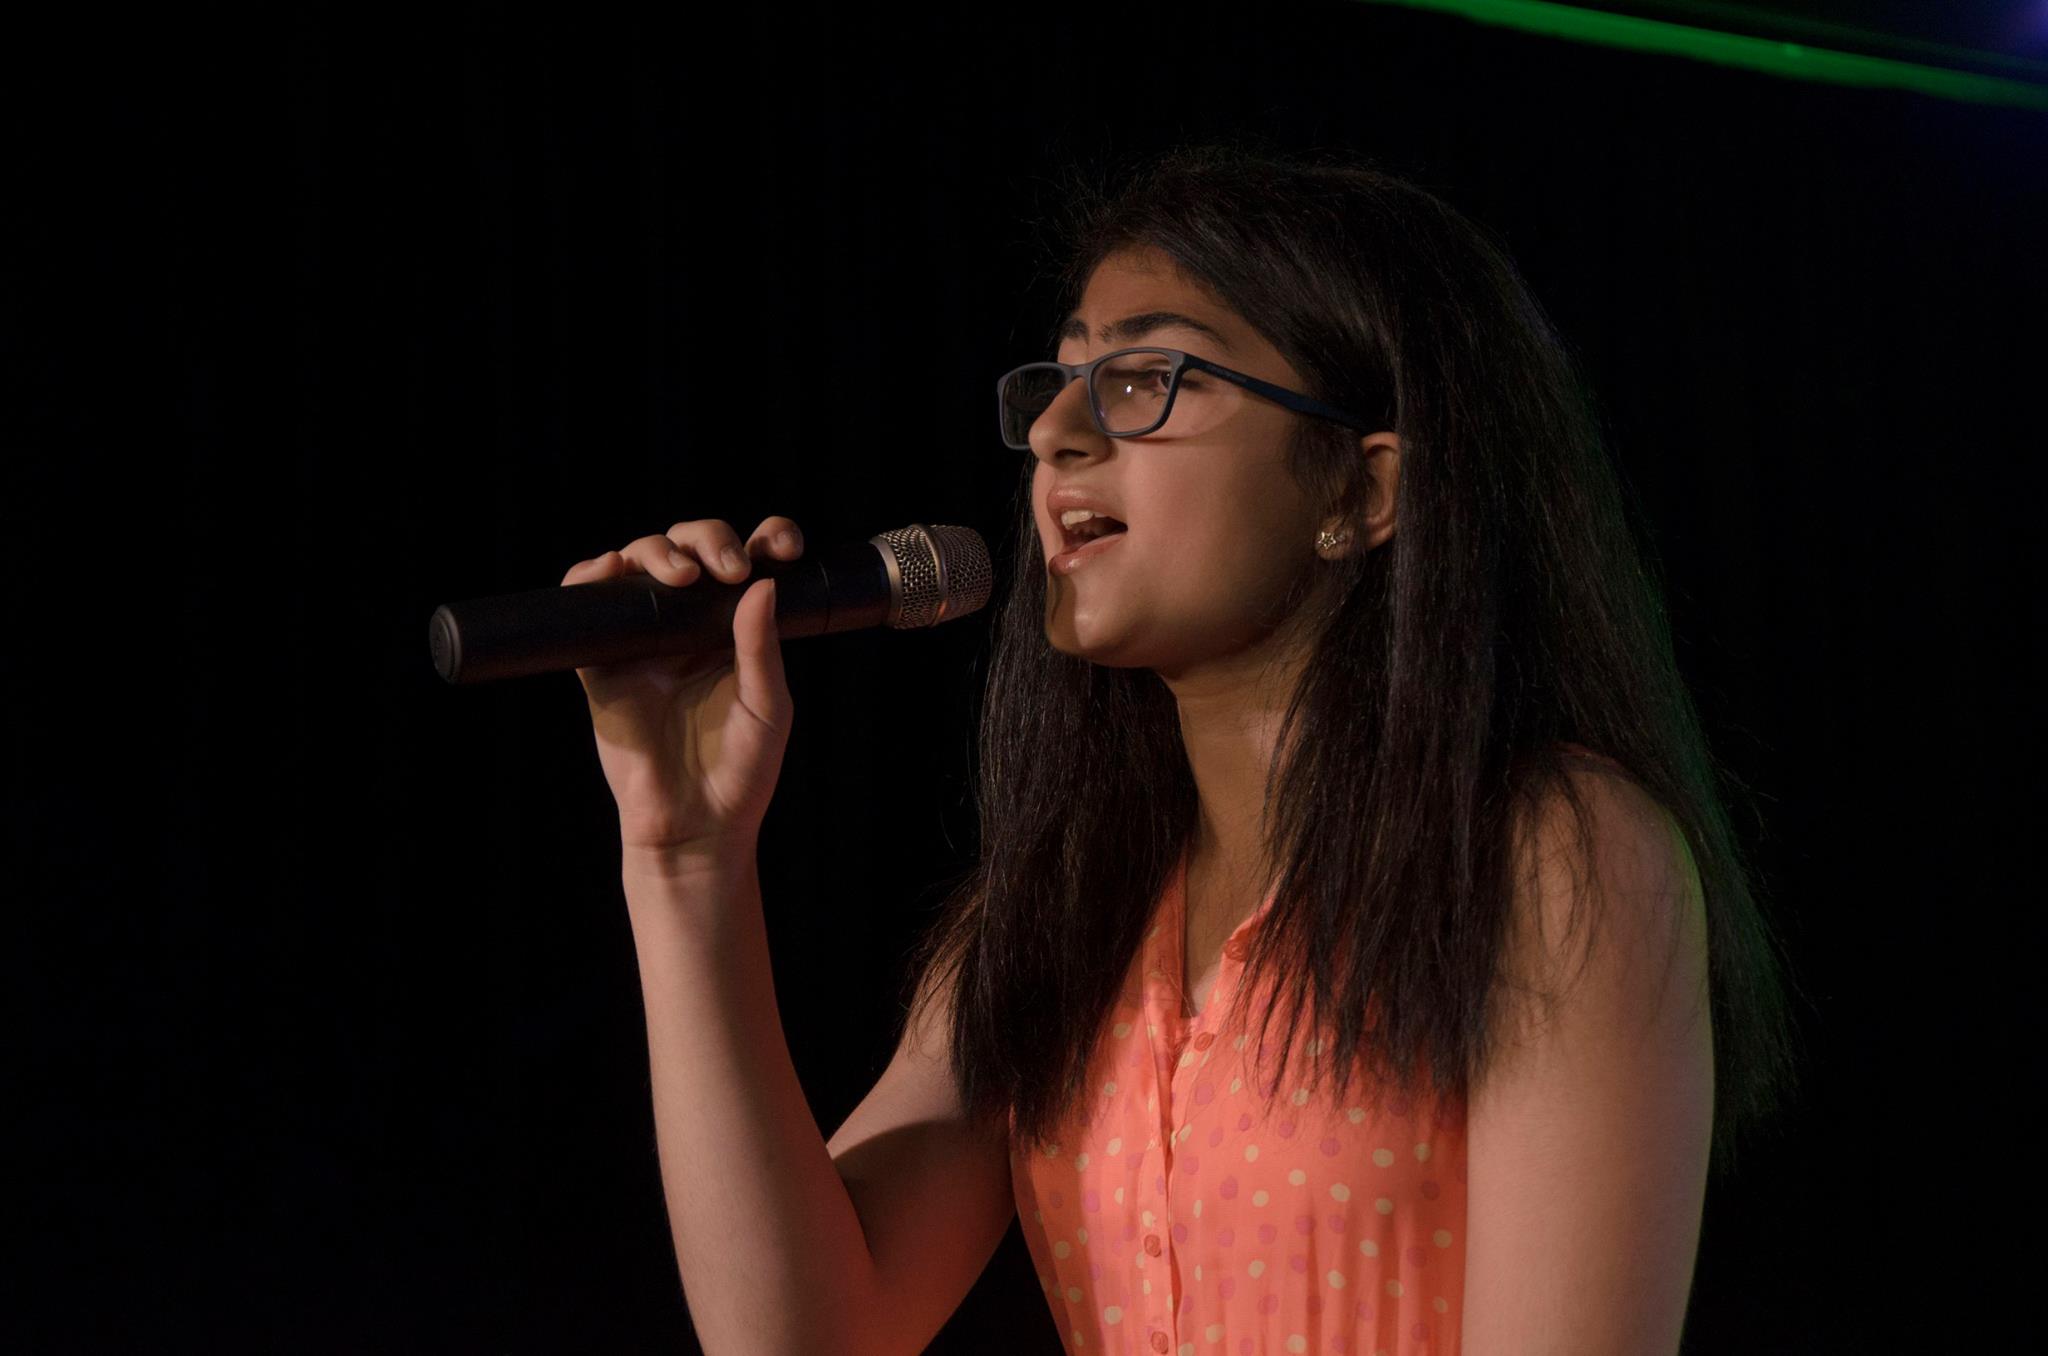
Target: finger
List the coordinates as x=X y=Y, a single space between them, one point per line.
x=777 y=536
x=707 y=540
x=658 y=556
x=757 y=656
x=597 y=567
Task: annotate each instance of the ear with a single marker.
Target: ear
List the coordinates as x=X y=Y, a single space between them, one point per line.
x=1369 y=501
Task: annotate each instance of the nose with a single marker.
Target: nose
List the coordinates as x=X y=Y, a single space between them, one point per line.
x=1067 y=425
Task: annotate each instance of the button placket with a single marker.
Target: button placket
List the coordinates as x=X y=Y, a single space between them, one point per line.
x=1183 y=1048
x=1173 y=1032
x=1191 y=1040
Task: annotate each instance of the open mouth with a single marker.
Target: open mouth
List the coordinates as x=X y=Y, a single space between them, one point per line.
x=1094 y=529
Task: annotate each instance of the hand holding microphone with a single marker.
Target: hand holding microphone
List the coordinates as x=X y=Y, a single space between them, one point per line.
x=692 y=744
x=684 y=675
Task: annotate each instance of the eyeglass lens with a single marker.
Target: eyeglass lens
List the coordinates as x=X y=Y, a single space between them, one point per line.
x=1129 y=393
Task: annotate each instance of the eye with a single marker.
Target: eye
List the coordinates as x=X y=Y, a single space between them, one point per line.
x=1142 y=378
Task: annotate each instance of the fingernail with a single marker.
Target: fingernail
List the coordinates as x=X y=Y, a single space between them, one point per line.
x=677 y=558
x=733 y=559
x=785 y=539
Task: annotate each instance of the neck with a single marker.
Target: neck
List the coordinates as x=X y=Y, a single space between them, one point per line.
x=1230 y=724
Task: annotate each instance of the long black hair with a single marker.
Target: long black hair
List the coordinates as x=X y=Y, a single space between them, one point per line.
x=1515 y=612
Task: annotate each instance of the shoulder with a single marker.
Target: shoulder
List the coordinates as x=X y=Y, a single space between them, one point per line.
x=1600 y=814
x=1602 y=808
x=1605 y=889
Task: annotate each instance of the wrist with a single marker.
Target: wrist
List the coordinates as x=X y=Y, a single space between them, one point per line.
x=701 y=860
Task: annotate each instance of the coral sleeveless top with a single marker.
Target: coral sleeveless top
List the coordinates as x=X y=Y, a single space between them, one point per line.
x=1169 y=1217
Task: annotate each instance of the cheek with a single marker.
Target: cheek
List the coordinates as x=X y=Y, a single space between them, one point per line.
x=1236 y=537
x=1191 y=539
x=1227 y=515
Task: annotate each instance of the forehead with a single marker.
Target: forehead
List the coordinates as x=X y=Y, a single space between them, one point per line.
x=1143 y=281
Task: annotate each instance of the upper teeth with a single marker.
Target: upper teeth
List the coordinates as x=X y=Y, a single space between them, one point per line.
x=1073 y=516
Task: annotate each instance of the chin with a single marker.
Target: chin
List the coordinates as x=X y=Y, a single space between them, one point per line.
x=1060 y=632
x=1062 y=635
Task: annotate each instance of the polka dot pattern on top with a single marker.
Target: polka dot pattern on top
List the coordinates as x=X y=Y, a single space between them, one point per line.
x=1171 y=1215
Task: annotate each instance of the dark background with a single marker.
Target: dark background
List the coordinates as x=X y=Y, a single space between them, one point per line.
x=331 y=1026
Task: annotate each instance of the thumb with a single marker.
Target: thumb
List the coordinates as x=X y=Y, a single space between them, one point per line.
x=757 y=656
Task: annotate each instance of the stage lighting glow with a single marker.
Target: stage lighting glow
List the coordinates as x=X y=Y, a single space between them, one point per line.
x=1773 y=56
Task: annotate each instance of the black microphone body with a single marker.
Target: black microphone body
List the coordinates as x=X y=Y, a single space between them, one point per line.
x=913 y=576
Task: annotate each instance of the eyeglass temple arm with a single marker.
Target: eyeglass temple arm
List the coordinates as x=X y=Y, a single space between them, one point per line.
x=1301 y=404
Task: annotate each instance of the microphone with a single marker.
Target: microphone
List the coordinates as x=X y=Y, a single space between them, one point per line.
x=913 y=576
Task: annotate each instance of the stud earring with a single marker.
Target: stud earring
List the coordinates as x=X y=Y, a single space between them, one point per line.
x=1325 y=540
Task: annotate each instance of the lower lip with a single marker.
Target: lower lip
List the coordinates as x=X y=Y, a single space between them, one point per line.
x=1066 y=562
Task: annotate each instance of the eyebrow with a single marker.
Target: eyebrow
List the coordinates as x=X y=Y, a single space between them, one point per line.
x=1140 y=325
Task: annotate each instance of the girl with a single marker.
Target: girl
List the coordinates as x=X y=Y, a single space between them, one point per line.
x=1359 y=958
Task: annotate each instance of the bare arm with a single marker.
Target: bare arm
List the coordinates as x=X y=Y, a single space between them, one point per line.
x=769 y=1239
x=1589 y=1141
x=770 y=1249
x=933 y=1190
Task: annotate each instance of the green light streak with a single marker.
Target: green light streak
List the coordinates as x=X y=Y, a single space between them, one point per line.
x=1791 y=60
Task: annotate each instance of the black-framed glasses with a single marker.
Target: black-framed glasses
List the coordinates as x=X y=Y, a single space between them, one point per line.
x=1131 y=392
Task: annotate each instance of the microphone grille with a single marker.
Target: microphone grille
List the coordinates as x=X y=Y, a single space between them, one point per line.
x=936 y=573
